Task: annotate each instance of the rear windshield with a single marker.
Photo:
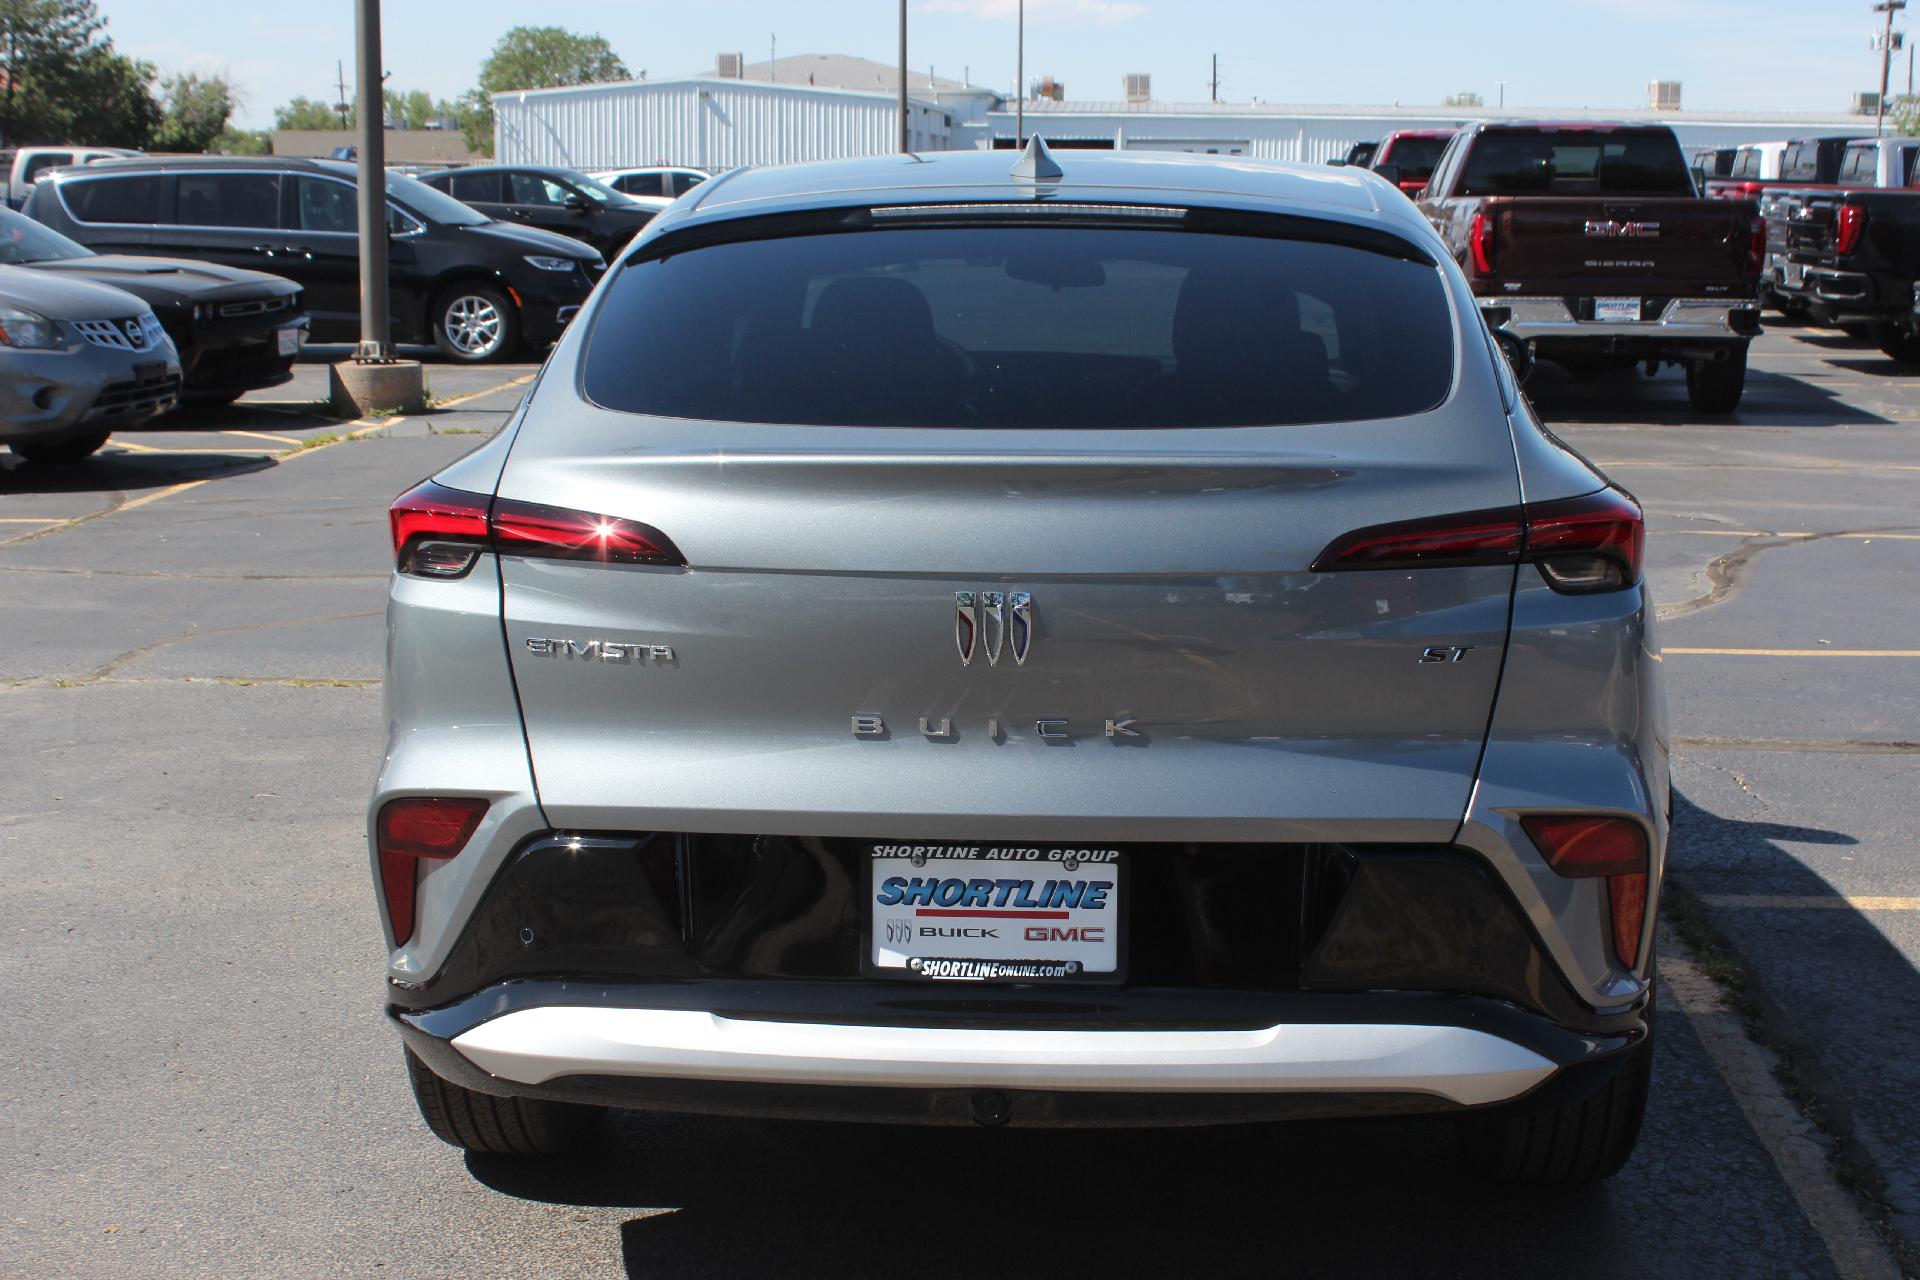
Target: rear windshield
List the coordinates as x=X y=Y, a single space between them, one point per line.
x=1574 y=163
x=1023 y=327
x=1415 y=156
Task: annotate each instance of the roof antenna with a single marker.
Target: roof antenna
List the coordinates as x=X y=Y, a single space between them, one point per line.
x=1036 y=163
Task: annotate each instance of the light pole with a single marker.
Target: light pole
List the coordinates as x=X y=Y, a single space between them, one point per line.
x=1888 y=7
x=904 y=135
x=376 y=339
x=1020 y=80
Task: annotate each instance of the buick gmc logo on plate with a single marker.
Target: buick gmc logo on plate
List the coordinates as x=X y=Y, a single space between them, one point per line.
x=985 y=913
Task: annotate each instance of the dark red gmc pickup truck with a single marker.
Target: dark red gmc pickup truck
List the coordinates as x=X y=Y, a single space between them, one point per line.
x=1590 y=242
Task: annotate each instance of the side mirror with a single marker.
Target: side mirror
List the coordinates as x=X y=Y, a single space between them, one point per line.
x=1518 y=353
x=578 y=203
x=1391 y=172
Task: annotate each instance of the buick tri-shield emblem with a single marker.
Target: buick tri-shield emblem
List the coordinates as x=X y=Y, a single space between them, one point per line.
x=994 y=621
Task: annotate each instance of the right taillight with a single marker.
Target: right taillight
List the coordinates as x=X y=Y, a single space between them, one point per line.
x=1581 y=545
x=1850 y=222
x=440 y=532
x=1582 y=847
x=1480 y=242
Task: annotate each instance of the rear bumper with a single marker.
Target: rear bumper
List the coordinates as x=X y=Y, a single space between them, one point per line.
x=1680 y=320
x=1318 y=1056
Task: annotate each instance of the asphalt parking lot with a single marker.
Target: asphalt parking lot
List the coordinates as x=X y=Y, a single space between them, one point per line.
x=197 y=1080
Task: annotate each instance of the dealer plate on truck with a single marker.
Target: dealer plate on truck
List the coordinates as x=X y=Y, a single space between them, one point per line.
x=994 y=912
x=1614 y=310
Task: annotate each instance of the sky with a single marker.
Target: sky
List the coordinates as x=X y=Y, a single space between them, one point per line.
x=1733 y=55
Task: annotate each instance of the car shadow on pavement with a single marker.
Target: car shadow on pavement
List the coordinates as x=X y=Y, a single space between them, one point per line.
x=1833 y=992
x=124 y=472
x=1629 y=396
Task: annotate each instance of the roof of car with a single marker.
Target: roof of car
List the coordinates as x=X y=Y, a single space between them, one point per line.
x=550 y=170
x=1119 y=177
x=169 y=164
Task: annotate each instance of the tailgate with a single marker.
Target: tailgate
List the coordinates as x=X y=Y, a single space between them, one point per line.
x=1649 y=248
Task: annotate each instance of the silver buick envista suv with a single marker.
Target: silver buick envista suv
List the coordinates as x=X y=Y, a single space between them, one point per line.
x=948 y=639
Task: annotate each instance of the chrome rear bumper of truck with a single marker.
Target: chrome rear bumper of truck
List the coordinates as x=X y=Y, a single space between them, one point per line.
x=1680 y=320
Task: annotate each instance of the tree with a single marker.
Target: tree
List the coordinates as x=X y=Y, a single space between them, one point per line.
x=534 y=58
x=196 y=114
x=305 y=113
x=61 y=80
x=414 y=109
x=243 y=142
x=1466 y=99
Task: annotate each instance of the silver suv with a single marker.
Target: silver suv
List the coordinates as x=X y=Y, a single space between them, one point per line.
x=946 y=645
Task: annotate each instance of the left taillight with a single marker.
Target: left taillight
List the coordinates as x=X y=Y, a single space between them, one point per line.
x=440 y=532
x=1581 y=545
x=1850 y=220
x=411 y=829
x=1583 y=847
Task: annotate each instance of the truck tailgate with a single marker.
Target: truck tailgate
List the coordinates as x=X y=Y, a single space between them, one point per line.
x=1575 y=246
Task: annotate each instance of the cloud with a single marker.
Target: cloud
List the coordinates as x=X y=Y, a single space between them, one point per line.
x=1098 y=11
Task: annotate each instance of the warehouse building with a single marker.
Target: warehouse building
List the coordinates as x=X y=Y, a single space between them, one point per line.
x=832 y=106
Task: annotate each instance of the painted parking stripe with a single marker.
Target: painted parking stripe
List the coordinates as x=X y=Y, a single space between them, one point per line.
x=1795 y=653
x=477 y=395
x=1808 y=902
x=35 y=519
x=261 y=435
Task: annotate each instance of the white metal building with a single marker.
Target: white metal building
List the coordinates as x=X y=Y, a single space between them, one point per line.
x=706 y=121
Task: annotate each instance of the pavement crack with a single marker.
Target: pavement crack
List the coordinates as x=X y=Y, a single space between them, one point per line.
x=1726 y=572
x=112 y=666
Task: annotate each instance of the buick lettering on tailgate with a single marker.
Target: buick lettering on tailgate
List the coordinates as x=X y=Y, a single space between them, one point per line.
x=1010 y=913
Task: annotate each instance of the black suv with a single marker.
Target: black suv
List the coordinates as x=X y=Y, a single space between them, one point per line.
x=562 y=200
x=477 y=288
x=236 y=331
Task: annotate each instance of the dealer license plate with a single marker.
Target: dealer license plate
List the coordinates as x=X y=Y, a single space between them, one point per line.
x=995 y=912
x=289 y=341
x=1795 y=274
x=1614 y=310
x=150 y=371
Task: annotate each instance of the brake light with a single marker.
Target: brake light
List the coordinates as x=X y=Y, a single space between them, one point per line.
x=1585 y=848
x=1480 y=241
x=1581 y=545
x=440 y=532
x=1852 y=221
x=1757 y=247
x=409 y=830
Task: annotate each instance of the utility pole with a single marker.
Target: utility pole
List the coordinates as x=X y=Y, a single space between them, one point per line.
x=1020 y=81
x=1503 y=95
x=340 y=91
x=1215 y=83
x=773 y=58
x=1888 y=7
x=905 y=135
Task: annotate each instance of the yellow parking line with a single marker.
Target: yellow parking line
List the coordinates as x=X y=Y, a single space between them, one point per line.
x=137 y=448
x=34 y=519
x=1799 y=902
x=1798 y=653
x=156 y=495
x=505 y=386
x=261 y=435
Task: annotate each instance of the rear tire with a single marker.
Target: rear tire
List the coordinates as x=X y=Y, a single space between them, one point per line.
x=475 y=324
x=1715 y=386
x=481 y=1122
x=1898 y=341
x=61 y=452
x=1566 y=1146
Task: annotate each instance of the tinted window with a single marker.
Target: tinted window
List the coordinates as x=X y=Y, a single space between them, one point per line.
x=1028 y=327
x=227 y=200
x=417 y=198
x=46 y=160
x=1856 y=167
x=1800 y=162
x=531 y=188
x=133 y=198
x=328 y=206
x=1415 y=156
x=474 y=186
x=1746 y=163
x=685 y=182
x=642 y=184
x=24 y=240
x=1577 y=163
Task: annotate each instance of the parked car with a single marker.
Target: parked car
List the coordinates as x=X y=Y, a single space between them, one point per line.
x=1589 y=242
x=1409 y=155
x=78 y=361
x=658 y=182
x=1854 y=257
x=1217 y=820
x=21 y=167
x=1359 y=155
x=559 y=200
x=235 y=331
x=1712 y=162
x=478 y=288
x=1803 y=162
